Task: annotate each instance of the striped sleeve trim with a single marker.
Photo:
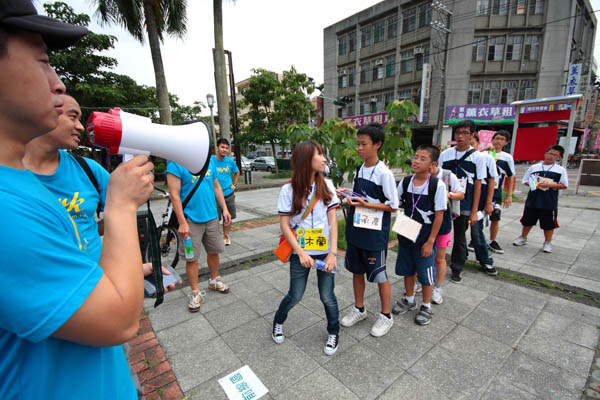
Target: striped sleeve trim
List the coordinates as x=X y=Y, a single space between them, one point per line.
x=284 y=213
x=332 y=206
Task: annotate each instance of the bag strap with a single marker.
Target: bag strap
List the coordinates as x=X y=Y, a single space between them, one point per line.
x=405 y=184
x=467 y=154
x=88 y=171
x=433 y=184
x=189 y=196
x=313 y=201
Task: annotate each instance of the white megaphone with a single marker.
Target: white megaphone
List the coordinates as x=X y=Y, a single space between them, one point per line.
x=124 y=133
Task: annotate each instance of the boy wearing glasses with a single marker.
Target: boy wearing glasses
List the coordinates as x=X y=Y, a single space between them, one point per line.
x=544 y=180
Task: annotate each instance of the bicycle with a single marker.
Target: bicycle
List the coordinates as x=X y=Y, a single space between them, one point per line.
x=167 y=236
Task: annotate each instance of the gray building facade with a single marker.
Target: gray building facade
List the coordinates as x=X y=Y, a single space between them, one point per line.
x=499 y=51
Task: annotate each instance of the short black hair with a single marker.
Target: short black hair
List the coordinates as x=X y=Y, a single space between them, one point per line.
x=502 y=133
x=221 y=141
x=465 y=123
x=558 y=148
x=434 y=152
x=374 y=130
x=5 y=34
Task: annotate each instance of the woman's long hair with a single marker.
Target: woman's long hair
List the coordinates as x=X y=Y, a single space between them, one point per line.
x=301 y=176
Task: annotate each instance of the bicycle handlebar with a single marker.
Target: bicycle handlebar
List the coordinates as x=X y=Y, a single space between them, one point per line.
x=162 y=191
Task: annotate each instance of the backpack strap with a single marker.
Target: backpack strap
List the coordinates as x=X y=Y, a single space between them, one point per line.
x=405 y=184
x=88 y=171
x=433 y=184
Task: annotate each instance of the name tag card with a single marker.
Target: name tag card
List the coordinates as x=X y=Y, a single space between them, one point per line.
x=407 y=227
x=368 y=218
x=312 y=239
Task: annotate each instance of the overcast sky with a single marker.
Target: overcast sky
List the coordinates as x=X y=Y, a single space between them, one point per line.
x=270 y=34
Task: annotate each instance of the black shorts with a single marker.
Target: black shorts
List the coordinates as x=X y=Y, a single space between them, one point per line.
x=547 y=218
x=369 y=262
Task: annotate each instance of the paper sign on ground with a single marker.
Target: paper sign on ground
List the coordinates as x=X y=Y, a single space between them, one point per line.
x=243 y=384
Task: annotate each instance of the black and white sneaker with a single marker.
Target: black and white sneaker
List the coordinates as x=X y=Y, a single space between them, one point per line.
x=332 y=344
x=489 y=269
x=495 y=247
x=423 y=317
x=278 y=333
x=456 y=277
x=470 y=247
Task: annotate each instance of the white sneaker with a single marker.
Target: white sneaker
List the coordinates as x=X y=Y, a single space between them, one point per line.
x=382 y=325
x=436 y=298
x=353 y=317
x=278 y=333
x=332 y=345
x=520 y=241
x=547 y=247
x=195 y=300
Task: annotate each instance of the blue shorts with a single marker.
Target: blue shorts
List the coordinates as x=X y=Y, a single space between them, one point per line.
x=410 y=261
x=369 y=262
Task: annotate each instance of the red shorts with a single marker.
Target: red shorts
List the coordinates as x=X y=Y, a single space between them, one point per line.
x=444 y=240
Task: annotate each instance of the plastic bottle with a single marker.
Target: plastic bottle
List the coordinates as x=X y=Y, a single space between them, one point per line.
x=189 y=249
x=320 y=265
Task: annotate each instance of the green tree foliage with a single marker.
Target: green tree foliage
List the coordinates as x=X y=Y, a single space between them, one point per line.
x=339 y=139
x=274 y=105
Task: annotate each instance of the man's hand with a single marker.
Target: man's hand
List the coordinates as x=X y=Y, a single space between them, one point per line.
x=507 y=201
x=226 y=218
x=147 y=268
x=489 y=208
x=233 y=186
x=427 y=249
x=473 y=218
x=130 y=184
x=305 y=260
x=545 y=185
x=184 y=230
x=330 y=262
x=357 y=202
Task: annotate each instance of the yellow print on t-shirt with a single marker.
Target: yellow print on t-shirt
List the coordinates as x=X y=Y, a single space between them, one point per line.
x=223 y=170
x=73 y=205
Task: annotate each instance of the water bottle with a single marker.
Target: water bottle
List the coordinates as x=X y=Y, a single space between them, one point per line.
x=320 y=264
x=189 y=249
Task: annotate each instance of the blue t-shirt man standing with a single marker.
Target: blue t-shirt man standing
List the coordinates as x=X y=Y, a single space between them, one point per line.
x=228 y=175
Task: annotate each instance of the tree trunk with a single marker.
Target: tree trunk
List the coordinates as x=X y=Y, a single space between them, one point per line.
x=221 y=72
x=162 y=93
x=274 y=156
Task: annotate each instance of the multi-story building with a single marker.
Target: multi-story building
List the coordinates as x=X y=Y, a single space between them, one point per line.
x=498 y=51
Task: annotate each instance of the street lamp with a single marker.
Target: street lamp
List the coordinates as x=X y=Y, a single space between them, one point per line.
x=210 y=99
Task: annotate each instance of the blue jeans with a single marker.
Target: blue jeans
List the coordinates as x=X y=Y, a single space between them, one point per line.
x=298 y=278
x=480 y=244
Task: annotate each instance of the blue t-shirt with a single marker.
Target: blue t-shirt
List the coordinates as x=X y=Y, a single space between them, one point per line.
x=202 y=207
x=46 y=277
x=74 y=190
x=224 y=169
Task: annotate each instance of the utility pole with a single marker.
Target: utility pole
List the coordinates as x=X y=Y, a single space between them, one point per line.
x=444 y=28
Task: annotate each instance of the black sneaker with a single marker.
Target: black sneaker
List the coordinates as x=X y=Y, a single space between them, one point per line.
x=403 y=306
x=470 y=247
x=332 y=345
x=489 y=269
x=456 y=277
x=423 y=317
x=495 y=247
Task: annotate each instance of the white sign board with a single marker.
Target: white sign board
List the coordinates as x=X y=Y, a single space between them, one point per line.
x=243 y=384
x=573 y=79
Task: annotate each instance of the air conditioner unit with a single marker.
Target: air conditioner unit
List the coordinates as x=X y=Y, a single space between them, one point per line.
x=379 y=61
x=373 y=99
x=418 y=50
x=343 y=72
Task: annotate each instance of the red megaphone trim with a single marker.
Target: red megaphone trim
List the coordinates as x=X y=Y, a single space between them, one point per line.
x=106 y=129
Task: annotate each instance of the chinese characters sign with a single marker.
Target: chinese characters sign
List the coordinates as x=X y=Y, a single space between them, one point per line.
x=243 y=384
x=481 y=113
x=485 y=139
x=573 y=79
x=360 y=120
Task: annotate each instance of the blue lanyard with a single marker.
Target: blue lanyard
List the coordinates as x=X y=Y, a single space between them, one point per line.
x=412 y=194
x=362 y=189
x=544 y=171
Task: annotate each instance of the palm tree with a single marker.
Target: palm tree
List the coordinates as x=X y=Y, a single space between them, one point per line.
x=155 y=17
x=221 y=71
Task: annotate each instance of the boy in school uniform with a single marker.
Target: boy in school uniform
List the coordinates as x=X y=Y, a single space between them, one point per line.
x=367 y=242
x=469 y=167
x=422 y=195
x=485 y=208
x=548 y=177
x=506 y=169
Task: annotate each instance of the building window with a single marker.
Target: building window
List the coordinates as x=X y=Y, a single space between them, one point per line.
x=376 y=104
x=364 y=105
x=406 y=61
x=536 y=6
x=500 y=7
x=409 y=20
x=474 y=96
x=521 y=7
x=404 y=94
x=390 y=66
x=342 y=80
x=422 y=58
x=424 y=15
x=378 y=69
x=479 y=48
x=527 y=90
x=388 y=99
x=532 y=47
x=482 y=7
x=491 y=94
x=393 y=27
x=365 y=36
x=364 y=72
x=513 y=48
x=378 y=31
x=351 y=76
x=342 y=45
x=496 y=48
x=351 y=41
x=509 y=92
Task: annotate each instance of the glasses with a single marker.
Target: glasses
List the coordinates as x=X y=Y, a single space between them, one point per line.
x=461 y=133
x=553 y=154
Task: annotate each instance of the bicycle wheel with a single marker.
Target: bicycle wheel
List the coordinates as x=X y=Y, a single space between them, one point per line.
x=169 y=243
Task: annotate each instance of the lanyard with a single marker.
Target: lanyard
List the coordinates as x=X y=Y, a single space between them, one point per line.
x=493 y=154
x=362 y=189
x=544 y=171
x=412 y=194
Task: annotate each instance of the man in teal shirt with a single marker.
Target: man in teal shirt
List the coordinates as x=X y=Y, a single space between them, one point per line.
x=228 y=175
